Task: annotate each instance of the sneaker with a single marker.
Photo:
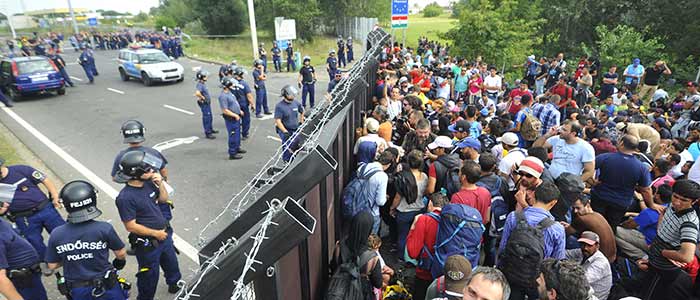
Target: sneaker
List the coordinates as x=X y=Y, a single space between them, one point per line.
x=214 y=131
x=244 y=138
x=234 y=157
x=210 y=136
x=268 y=113
x=258 y=116
x=173 y=288
x=241 y=151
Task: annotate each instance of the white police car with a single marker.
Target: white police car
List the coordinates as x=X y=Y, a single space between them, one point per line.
x=149 y=65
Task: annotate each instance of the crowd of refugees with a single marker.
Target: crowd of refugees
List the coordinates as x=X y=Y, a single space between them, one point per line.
x=575 y=182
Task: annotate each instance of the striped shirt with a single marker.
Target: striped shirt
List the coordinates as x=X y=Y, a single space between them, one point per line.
x=548 y=114
x=675 y=228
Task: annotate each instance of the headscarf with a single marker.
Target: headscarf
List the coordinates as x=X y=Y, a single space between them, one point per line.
x=360 y=229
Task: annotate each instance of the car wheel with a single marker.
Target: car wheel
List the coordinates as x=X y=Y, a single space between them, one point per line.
x=146 y=80
x=61 y=91
x=13 y=94
x=123 y=75
x=181 y=79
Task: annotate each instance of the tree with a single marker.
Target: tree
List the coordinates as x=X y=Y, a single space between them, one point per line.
x=220 y=17
x=621 y=44
x=166 y=21
x=306 y=14
x=432 y=10
x=141 y=17
x=179 y=10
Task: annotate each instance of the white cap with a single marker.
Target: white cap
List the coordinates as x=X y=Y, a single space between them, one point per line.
x=509 y=138
x=372 y=125
x=440 y=142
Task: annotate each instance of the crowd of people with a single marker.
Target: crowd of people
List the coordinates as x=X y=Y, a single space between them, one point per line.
x=572 y=182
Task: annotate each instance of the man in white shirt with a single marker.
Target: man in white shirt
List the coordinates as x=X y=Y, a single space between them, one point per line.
x=492 y=84
x=372 y=126
x=512 y=160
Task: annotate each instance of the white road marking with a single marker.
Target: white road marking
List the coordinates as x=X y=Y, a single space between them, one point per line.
x=174 y=142
x=274 y=138
x=179 y=109
x=71 y=63
x=75 y=78
x=265 y=117
x=182 y=245
x=116 y=91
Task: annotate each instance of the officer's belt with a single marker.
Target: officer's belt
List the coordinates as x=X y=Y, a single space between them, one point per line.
x=108 y=282
x=21 y=272
x=29 y=212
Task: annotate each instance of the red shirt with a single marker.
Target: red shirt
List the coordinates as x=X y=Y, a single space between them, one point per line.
x=565 y=92
x=424 y=234
x=416 y=76
x=515 y=95
x=479 y=198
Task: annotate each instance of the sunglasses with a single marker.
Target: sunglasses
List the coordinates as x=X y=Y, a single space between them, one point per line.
x=523 y=174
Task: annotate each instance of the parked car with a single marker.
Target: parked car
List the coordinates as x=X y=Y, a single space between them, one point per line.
x=21 y=76
x=148 y=65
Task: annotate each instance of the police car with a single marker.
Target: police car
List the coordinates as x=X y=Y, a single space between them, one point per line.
x=149 y=65
x=29 y=75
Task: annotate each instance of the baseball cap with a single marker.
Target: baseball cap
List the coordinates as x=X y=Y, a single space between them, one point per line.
x=532 y=165
x=636 y=61
x=470 y=143
x=661 y=121
x=440 y=142
x=589 y=237
x=457 y=271
x=460 y=126
x=692 y=84
x=372 y=125
x=508 y=138
x=620 y=126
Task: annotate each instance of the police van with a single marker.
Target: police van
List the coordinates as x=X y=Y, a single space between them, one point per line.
x=148 y=65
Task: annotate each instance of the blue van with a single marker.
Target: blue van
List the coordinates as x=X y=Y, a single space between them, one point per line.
x=21 y=76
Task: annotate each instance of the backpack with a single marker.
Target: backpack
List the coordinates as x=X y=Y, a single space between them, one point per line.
x=425 y=258
x=459 y=232
x=499 y=208
x=348 y=283
x=524 y=252
x=354 y=196
x=450 y=178
x=531 y=127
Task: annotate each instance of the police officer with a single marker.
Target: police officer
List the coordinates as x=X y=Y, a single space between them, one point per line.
x=306 y=81
x=60 y=64
x=246 y=101
x=204 y=103
x=19 y=262
x=289 y=114
x=263 y=55
x=87 y=61
x=331 y=64
x=150 y=233
x=276 y=57
x=224 y=70
x=231 y=111
x=341 y=52
x=335 y=81
x=82 y=247
x=30 y=209
x=290 y=57
x=349 y=46
x=259 y=77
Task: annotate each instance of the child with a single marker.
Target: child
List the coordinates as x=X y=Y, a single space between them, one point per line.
x=374 y=242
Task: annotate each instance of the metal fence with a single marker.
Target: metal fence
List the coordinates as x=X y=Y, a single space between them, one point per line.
x=280 y=230
x=357 y=27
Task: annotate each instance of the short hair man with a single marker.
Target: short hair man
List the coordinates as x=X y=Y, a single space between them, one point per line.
x=486 y=283
x=562 y=280
x=594 y=263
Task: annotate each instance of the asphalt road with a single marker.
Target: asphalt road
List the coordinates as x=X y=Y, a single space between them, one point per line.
x=77 y=136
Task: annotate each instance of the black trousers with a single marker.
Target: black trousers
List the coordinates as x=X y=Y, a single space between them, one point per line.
x=612 y=213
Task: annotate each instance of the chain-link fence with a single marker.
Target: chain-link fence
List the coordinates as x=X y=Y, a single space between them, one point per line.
x=356 y=27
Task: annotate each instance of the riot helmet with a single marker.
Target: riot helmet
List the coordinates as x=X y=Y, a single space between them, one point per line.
x=133 y=131
x=238 y=71
x=80 y=200
x=257 y=63
x=289 y=92
x=202 y=75
x=133 y=165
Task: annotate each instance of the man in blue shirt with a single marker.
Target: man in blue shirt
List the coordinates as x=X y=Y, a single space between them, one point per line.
x=334 y=82
x=19 y=262
x=290 y=58
x=149 y=231
x=349 y=46
x=331 y=64
x=246 y=100
x=87 y=61
x=289 y=114
x=204 y=103
x=259 y=77
x=634 y=235
x=341 y=52
x=620 y=175
x=82 y=247
x=632 y=74
x=231 y=111
x=306 y=81
x=30 y=209
x=276 y=57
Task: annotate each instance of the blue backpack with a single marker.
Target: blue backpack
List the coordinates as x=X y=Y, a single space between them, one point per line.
x=354 y=196
x=459 y=232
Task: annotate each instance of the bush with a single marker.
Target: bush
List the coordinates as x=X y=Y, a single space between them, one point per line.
x=195 y=27
x=432 y=10
x=163 y=20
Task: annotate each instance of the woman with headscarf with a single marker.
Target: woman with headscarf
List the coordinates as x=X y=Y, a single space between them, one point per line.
x=355 y=246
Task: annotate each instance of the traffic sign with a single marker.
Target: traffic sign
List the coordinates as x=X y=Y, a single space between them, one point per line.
x=285 y=29
x=92 y=21
x=399 y=14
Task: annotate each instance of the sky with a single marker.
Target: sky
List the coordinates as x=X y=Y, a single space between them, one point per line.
x=132 y=6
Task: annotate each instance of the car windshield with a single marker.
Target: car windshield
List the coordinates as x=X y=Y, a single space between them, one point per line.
x=152 y=58
x=34 y=66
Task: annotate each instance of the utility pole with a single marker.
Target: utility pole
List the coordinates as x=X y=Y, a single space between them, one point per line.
x=253 y=29
x=72 y=17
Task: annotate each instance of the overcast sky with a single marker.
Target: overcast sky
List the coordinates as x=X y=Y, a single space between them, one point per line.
x=133 y=6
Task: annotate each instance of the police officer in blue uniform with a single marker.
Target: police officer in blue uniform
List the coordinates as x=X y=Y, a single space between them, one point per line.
x=262 y=53
x=226 y=70
x=290 y=57
x=341 y=52
x=30 y=209
x=335 y=81
x=61 y=65
x=259 y=78
x=87 y=61
x=306 y=81
x=246 y=101
x=150 y=233
x=82 y=247
x=349 y=46
x=204 y=103
x=276 y=58
x=19 y=262
x=289 y=114
x=331 y=64
x=231 y=111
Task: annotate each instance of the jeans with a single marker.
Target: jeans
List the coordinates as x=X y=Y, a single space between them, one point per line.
x=307 y=89
x=149 y=267
x=205 y=107
x=261 y=101
x=31 y=227
x=404 y=220
x=539 y=87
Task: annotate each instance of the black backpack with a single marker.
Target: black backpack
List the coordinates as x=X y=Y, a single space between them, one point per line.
x=348 y=283
x=524 y=252
x=449 y=178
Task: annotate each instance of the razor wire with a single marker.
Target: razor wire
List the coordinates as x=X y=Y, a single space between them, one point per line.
x=326 y=110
